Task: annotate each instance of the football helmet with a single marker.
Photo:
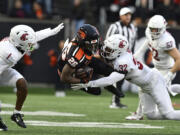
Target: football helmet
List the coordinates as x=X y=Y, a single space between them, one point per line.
x=114 y=46
x=88 y=38
x=23 y=37
x=156 y=27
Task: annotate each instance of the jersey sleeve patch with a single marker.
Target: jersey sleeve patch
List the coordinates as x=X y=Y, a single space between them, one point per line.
x=168 y=43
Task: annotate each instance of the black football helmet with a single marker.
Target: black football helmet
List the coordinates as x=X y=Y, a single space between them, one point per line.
x=88 y=38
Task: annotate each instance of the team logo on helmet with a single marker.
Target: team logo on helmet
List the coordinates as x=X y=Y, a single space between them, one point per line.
x=82 y=34
x=121 y=44
x=23 y=37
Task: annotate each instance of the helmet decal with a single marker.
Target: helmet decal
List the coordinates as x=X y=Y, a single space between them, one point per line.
x=121 y=44
x=82 y=34
x=23 y=37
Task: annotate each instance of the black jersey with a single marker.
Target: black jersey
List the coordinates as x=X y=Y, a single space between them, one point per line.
x=74 y=56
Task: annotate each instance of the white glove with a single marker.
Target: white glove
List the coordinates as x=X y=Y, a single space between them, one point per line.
x=78 y=86
x=168 y=77
x=57 y=29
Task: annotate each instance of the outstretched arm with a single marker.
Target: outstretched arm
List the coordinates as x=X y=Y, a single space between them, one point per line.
x=43 y=34
x=106 y=81
x=175 y=54
x=102 y=82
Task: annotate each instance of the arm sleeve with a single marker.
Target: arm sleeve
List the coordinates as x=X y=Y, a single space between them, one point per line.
x=141 y=50
x=42 y=34
x=106 y=81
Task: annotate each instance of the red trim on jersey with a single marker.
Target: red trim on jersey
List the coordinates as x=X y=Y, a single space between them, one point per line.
x=9 y=56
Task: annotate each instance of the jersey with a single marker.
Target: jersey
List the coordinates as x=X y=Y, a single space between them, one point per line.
x=9 y=55
x=74 y=56
x=137 y=72
x=161 y=59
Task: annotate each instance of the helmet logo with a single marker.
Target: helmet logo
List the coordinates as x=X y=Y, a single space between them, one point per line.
x=121 y=44
x=23 y=37
x=82 y=34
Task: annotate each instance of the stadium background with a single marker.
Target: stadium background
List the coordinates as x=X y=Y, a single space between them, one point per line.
x=100 y=13
x=42 y=69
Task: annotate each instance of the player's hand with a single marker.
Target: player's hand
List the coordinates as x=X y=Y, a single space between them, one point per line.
x=79 y=86
x=168 y=77
x=57 y=29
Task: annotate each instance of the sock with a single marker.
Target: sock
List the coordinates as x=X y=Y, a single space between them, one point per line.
x=16 y=111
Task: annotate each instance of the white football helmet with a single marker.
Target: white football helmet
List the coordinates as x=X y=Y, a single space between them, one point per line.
x=23 y=37
x=114 y=46
x=157 y=23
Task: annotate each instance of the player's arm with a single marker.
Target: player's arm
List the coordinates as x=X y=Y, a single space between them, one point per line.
x=141 y=50
x=102 y=82
x=106 y=81
x=45 y=33
x=66 y=75
x=175 y=54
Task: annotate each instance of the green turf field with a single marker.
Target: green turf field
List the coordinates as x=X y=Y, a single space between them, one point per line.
x=96 y=119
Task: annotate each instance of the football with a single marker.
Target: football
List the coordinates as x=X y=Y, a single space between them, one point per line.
x=84 y=73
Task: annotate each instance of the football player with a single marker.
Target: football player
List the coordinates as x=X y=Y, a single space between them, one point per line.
x=166 y=57
x=156 y=100
x=79 y=54
x=21 y=40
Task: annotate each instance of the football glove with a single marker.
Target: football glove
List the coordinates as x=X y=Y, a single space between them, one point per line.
x=57 y=29
x=79 y=86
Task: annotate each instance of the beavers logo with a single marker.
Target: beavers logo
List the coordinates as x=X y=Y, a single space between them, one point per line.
x=82 y=34
x=23 y=37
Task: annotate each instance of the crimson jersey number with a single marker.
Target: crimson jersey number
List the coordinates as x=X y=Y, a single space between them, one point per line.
x=154 y=52
x=139 y=64
x=123 y=67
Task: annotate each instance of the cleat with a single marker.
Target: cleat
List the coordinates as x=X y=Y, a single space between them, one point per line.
x=134 y=116
x=117 y=105
x=3 y=127
x=17 y=117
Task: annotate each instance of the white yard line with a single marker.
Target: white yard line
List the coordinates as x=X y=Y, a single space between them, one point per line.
x=91 y=124
x=3 y=105
x=44 y=113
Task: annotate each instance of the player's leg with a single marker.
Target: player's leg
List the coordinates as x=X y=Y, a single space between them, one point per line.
x=102 y=68
x=172 y=89
x=161 y=97
x=116 y=99
x=12 y=78
x=149 y=107
x=93 y=91
x=175 y=88
x=2 y=125
x=138 y=115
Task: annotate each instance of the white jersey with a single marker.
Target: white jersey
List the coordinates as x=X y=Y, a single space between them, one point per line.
x=161 y=59
x=9 y=55
x=137 y=72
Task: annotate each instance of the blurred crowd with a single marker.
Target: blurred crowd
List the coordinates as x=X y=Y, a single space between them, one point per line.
x=90 y=10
